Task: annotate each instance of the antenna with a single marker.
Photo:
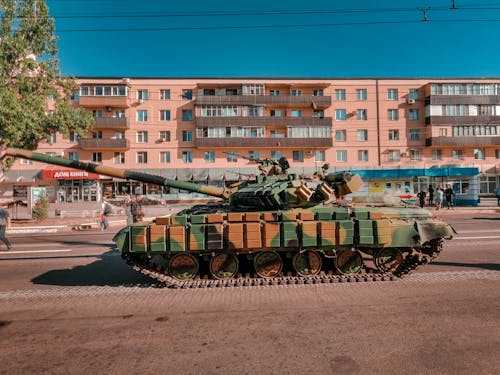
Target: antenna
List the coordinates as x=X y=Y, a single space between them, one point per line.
x=453 y=5
x=424 y=11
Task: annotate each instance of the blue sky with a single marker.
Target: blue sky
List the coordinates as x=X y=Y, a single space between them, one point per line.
x=278 y=38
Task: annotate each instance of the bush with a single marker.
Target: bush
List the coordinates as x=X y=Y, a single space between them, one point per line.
x=41 y=209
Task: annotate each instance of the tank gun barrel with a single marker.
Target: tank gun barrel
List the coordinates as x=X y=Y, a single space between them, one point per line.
x=128 y=174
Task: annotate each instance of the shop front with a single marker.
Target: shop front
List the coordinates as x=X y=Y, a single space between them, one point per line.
x=73 y=186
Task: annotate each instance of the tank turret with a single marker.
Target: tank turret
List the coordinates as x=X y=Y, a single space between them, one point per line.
x=278 y=228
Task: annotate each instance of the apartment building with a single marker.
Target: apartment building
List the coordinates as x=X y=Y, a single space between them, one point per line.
x=401 y=134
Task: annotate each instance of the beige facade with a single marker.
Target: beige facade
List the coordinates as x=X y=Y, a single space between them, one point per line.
x=208 y=129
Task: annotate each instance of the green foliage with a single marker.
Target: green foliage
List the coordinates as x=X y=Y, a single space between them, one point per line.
x=40 y=209
x=29 y=76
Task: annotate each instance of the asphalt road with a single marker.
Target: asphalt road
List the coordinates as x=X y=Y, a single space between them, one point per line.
x=68 y=304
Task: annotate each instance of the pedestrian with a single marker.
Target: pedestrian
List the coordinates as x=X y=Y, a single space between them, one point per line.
x=105 y=212
x=448 y=193
x=439 y=197
x=421 y=198
x=497 y=192
x=136 y=210
x=431 y=195
x=128 y=210
x=4 y=224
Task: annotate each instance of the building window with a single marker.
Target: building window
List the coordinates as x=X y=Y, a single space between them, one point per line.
x=164 y=136
x=456 y=154
x=319 y=156
x=187 y=115
x=142 y=136
x=340 y=114
x=361 y=94
x=319 y=114
x=295 y=92
x=361 y=114
x=413 y=94
x=318 y=92
x=119 y=113
x=209 y=156
x=497 y=154
x=187 y=157
x=392 y=114
x=274 y=92
x=413 y=114
x=97 y=157
x=340 y=94
x=296 y=113
x=164 y=157
x=73 y=136
x=298 y=156
x=97 y=134
x=165 y=94
x=436 y=155
x=253 y=155
x=53 y=137
x=142 y=115
x=142 y=157
x=340 y=135
x=362 y=135
x=26 y=161
x=341 y=155
x=231 y=156
x=119 y=135
x=119 y=158
x=275 y=113
x=253 y=89
x=363 y=155
x=479 y=153
x=394 y=155
x=415 y=155
x=443 y=132
x=73 y=155
x=392 y=94
x=165 y=115
x=414 y=134
x=393 y=135
x=187 y=136
x=275 y=155
x=187 y=94
x=142 y=95
x=97 y=113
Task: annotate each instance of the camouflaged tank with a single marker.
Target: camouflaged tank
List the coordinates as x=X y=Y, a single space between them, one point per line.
x=278 y=228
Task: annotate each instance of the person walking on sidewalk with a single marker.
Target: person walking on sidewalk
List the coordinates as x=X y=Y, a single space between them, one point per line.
x=497 y=192
x=439 y=197
x=431 y=195
x=4 y=224
x=105 y=211
x=448 y=193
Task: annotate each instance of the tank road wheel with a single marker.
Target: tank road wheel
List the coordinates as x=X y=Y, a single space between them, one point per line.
x=348 y=262
x=223 y=266
x=307 y=263
x=388 y=259
x=268 y=264
x=183 y=266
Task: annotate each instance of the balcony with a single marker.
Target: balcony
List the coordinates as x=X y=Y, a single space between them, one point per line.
x=464 y=99
x=461 y=120
x=277 y=101
x=104 y=101
x=112 y=122
x=202 y=122
x=104 y=144
x=463 y=141
x=264 y=142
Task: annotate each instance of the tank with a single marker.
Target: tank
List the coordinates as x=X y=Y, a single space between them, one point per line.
x=278 y=228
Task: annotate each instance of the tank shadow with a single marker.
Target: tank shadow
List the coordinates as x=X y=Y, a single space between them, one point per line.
x=486 y=266
x=108 y=270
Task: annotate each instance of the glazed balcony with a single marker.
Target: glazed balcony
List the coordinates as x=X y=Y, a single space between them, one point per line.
x=459 y=120
x=277 y=101
x=264 y=142
x=202 y=122
x=104 y=101
x=481 y=141
x=463 y=99
x=112 y=122
x=104 y=144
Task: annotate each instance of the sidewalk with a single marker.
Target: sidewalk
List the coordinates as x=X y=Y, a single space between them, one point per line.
x=82 y=216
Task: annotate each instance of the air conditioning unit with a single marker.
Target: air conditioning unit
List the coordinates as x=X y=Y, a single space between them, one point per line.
x=410 y=101
x=141 y=101
x=309 y=152
x=126 y=80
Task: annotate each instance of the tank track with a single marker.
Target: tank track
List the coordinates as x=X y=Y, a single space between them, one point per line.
x=410 y=263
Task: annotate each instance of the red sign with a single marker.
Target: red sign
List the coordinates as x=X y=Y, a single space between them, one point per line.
x=68 y=174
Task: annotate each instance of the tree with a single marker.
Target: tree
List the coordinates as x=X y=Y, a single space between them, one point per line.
x=34 y=97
